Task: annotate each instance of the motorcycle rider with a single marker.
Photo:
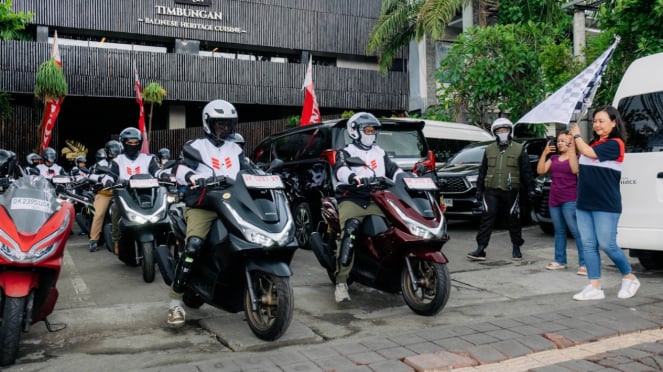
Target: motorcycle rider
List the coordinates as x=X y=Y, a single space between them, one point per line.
x=33 y=160
x=226 y=159
x=130 y=162
x=355 y=203
x=163 y=155
x=102 y=198
x=49 y=168
x=79 y=170
x=8 y=168
x=503 y=172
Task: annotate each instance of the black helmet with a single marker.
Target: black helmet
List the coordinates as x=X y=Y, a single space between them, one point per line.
x=131 y=134
x=33 y=159
x=237 y=138
x=163 y=153
x=100 y=155
x=50 y=155
x=80 y=159
x=219 y=120
x=113 y=149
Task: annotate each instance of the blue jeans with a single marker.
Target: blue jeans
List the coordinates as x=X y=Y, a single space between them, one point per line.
x=600 y=229
x=563 y=217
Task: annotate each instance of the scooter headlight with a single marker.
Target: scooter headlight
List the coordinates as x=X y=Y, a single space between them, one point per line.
x=262 y=237
x=11 y=250
x=418 y=229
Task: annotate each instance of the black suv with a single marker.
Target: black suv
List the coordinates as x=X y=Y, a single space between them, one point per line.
x=308 y=153
x=457 y=180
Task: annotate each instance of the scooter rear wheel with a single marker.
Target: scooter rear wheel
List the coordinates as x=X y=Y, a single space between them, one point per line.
x=10 y=330
x=275 y=305
x=432 y=286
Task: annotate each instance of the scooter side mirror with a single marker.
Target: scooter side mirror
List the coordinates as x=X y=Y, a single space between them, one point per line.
x=191 y=153
x=275 y=165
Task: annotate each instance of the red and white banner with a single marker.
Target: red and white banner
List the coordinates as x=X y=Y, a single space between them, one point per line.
x=310 y=112
x=145 y=149
x=52 y=108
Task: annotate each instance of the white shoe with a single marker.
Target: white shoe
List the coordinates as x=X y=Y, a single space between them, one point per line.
x=176 y=316
x=629 y=288
x=589 y=293
x=341 y=293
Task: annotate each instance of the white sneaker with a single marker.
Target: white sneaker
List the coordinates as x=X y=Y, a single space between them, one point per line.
x=629 y=288
x=176 y=316
x=589 y=293
x=341 y=293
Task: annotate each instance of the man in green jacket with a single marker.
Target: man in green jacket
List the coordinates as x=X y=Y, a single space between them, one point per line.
x=504 y=171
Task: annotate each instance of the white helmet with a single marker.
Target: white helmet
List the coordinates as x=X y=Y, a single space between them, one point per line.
x=222 y=115
x=356 y=125
x=501 y=123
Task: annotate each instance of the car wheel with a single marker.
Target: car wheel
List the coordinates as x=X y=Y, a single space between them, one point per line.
x=303 y=219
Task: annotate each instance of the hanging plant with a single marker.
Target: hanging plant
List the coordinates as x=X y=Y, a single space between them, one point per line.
x=153 y=93
x=50 y=83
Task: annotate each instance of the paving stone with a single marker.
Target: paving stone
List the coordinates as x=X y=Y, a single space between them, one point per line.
x=486 y=354
x=350 y=348
x=399 y=352
x=263 y=369
x=378 y=343
x=390 y=366
x=511 y=348
x=480 y=339
x=426 y=362
x=453 y=344
x=527 y=330
x=653 y=361
x=319 y=353
x=633 y=367
x=554 y=326
x=537 y=343
x=305 y=366
x=436 y=333
x=287 y=357
x=462 y=330
x=503 y=334
x=216 y=366
x=407 y=339
x=484 y=327
x=254 y=361
x=549 y=316
x=577 y=336
x=560 y=340
x=581 y=366
x=334 y=364
x=424 y=347
x=366 y=357
x=651 y=347
x=552 y=368
x=457 y=360
x=506 y=323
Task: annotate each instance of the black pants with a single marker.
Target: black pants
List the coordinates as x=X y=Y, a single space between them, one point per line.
x=500 y=204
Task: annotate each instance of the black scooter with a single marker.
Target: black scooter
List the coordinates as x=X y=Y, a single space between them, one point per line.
x=143 y=206
x=245 y=259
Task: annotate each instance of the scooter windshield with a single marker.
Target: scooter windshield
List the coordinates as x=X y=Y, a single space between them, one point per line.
x=30 y=201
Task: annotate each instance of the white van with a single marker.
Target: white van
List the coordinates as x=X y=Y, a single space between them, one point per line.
x=639 y=99
x=446 y=139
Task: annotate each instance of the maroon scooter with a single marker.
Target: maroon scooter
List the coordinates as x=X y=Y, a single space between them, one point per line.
x=402 y=252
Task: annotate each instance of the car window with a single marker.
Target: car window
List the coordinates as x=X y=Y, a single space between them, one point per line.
x=472 y=155
x=302 y=145
x=643 y=117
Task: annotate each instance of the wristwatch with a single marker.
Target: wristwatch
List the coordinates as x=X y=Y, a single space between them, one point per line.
x=576 y=136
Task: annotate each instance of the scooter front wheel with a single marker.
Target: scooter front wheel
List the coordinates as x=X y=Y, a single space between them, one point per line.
x=147 y=263
x=429 y=292
x=274 y=305
x=10 y=331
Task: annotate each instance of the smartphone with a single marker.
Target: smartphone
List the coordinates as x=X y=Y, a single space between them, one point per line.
x=551 y=141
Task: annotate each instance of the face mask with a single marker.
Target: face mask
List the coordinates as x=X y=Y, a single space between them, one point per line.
x=503 y=137
x=164 y=161
x=368 y=140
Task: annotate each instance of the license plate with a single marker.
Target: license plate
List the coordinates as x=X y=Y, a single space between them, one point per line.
x=263 y=182
x=420 y=183
x=448 y=202
x=143 y=183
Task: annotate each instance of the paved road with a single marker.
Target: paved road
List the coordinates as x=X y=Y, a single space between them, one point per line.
x=114 y=321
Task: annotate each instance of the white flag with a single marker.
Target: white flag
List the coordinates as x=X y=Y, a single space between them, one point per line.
x=574 y=97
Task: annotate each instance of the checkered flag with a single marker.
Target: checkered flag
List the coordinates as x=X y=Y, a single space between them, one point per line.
x=572 y=100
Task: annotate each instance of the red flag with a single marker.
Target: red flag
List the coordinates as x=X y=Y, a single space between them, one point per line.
x=52 y=108
x=145 y=149
x=310 y=112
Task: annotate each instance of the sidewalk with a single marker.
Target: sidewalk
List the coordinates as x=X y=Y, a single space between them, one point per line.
x=612 y=333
